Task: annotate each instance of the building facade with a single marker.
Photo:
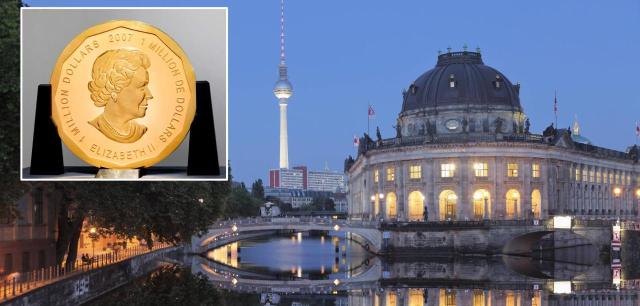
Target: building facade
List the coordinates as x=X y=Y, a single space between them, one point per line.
x=463 y=151
x=325 y=181
x=28 y=242
x=299 y=177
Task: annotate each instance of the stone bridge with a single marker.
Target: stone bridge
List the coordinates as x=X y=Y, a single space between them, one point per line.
x=513 y=237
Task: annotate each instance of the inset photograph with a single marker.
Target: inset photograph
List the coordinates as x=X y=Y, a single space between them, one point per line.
x=124 y=94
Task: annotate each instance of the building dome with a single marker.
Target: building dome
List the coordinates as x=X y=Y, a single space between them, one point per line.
x=461 y=80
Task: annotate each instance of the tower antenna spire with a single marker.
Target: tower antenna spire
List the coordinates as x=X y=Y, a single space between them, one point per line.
x=282 y=54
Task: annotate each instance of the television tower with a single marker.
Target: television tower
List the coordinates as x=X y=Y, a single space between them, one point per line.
x=283 y=91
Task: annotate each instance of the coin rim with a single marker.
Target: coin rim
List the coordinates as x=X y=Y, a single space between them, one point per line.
x=134 y=25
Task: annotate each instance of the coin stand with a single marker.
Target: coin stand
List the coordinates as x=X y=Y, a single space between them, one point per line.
x=203 y=152
x=46 y=151
x=46 y=154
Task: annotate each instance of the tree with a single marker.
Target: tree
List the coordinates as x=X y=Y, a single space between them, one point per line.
x=241 y=204
x=10 y=184
x=257 y=189
x=169 y=212
x=322 y=204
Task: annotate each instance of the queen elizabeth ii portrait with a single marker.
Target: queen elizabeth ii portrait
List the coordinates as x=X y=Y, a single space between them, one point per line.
x=119 y=84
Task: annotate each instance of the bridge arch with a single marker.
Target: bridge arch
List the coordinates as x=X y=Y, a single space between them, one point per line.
x=366 y=234
x=525 y=244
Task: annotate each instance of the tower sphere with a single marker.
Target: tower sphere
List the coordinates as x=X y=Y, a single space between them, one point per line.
x=283 y=89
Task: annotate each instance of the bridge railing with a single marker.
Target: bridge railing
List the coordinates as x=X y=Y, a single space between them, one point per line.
x=292 y=220
x=18 y=283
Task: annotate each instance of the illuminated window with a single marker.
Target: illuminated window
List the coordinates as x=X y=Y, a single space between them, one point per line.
x=512 y=208
x=481 y=169
x=598 y=177
x=592 y=176
x=535 y=170
x=611 y=178
x=447 y=170
x=617 y=178
x=447 y=297
x=512 y=170
x=628 y=179
x=478 y=298
x=415 y=172
x=577 y=174
x=416 y=297
x=585 y=175
x=452 y=81
x=391 y=174
x=376 y=176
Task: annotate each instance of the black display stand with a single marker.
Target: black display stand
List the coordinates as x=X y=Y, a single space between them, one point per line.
x=46 y=153
x=203 y=152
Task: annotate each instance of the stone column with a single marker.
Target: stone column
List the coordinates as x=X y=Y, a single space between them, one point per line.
x=499 y=197
x=400 y=190
x=526 y=188
x=464 y=202
x=434 y=214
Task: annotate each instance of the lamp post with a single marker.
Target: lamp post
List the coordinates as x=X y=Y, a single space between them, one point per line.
x=93 y=234
x=373 y=214
x=616 y=193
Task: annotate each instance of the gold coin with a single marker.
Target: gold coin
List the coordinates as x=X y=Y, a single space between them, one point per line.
x=123 y=95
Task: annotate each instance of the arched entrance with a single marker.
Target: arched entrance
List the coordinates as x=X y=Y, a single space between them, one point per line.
x=536 y=203
x=448 y=205
x=512 y=209
x=481 y=204
x=416 y=206
x=391 y=205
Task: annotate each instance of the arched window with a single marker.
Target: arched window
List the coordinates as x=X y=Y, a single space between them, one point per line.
x=416 y=297
x=447 y=297
x=392 y=298
x=416 y=206
x=448 y=205
x=512 y=209
x=536 y=203
x=392 y=209
x=481 y=204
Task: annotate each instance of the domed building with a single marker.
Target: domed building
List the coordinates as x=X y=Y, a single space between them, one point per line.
x=463 y=151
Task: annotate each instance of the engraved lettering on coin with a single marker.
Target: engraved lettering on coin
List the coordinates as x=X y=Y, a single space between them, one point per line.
x=119 y=84
x=123 y=95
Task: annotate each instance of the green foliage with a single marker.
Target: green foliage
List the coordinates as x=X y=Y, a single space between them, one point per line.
x=321 y=204
x=155 y=211
x=257 y=189
x=241 y=203
x=12 y=188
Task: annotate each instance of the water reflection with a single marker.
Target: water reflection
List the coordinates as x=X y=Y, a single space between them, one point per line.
x=306 y=269
x=298 y=256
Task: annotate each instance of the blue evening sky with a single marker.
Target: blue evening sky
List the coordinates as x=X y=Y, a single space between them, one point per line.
x=343 y=55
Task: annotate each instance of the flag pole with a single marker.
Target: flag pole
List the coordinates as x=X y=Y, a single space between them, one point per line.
x=637 y=132
x=555 y=106
x=368 y=119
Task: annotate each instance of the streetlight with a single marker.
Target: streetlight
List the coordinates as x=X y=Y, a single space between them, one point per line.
x=617 y=191
x=234 y=228
x=638 y=193
x=93 y=234
x=381 y=196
